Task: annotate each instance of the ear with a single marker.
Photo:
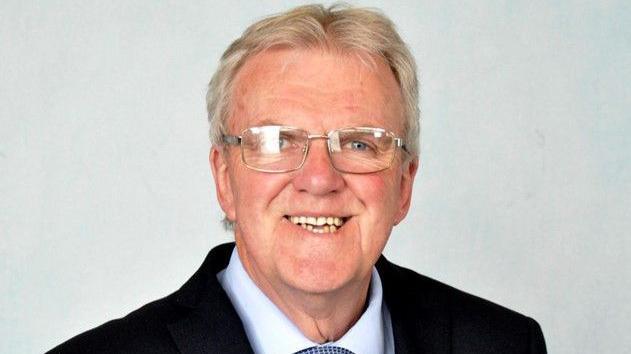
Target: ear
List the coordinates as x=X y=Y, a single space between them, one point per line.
x=223 y=184
x=410 y=166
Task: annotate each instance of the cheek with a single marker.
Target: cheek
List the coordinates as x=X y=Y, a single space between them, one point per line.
x=379 y=194
x=255 y=192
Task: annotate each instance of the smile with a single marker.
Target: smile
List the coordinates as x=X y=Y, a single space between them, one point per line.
x=318 y=224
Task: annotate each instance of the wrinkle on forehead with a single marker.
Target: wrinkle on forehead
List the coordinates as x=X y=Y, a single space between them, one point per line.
x=275 y=78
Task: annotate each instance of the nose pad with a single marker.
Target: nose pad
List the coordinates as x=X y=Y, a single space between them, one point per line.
x=317 y=175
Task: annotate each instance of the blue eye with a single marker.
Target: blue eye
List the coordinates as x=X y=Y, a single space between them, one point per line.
x=358 y=145
x=287 y=142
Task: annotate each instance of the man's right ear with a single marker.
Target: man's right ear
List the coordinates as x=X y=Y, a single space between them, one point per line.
x=223 y=183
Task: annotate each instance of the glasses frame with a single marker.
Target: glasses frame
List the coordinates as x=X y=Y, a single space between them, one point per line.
x=237 y=139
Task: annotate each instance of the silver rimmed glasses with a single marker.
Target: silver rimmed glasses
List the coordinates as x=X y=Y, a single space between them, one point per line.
x=278 y=149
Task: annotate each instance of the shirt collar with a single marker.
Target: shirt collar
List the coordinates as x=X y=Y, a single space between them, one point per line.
x=263 y=321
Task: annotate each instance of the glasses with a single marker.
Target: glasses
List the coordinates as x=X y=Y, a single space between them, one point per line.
x=278 y=149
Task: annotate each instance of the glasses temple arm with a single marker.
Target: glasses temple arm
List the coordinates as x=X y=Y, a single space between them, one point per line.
x=231 y=139
x=401 y=144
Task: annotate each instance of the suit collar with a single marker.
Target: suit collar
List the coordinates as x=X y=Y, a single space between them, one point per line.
x=421 y=322
x=209 y=323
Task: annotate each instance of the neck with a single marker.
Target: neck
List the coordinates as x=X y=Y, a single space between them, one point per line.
x=321 y=317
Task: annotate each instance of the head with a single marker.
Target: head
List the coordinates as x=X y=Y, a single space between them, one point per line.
x=317 y=69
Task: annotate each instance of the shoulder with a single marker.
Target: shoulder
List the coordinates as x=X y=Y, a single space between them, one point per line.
x=472 y=324
x=142 y=331
x=151 y=328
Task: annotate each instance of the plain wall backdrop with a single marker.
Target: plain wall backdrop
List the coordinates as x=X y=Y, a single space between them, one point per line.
x=107 y=201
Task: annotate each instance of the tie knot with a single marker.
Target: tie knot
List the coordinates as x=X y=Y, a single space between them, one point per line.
x=325 y=349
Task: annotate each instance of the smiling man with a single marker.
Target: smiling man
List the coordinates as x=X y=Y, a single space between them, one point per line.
x=313 y=205
x=314 y=124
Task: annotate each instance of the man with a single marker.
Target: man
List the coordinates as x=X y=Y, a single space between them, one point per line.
x=314 y=124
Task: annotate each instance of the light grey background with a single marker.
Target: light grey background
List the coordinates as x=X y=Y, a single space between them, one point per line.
x=106 y=200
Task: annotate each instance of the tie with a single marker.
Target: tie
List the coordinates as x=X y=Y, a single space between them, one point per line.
x=325 y=349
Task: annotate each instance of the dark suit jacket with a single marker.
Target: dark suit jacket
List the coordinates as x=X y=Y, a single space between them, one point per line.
x=427 y=317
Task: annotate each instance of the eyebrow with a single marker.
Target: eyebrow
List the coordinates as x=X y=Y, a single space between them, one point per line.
x=268 y=121
x=273 y=121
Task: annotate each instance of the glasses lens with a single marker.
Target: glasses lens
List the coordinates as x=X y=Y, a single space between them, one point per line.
x=361 y=150
x=273 y=148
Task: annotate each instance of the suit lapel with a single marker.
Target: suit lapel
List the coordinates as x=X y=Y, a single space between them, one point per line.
x=209 y=323
x=420 y=318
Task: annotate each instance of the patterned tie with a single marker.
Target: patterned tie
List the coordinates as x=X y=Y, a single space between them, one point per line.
x=325 y=349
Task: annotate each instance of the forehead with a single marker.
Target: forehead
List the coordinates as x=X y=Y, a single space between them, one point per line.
x=316 y=90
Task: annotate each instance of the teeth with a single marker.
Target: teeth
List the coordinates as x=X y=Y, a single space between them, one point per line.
x=319 y=224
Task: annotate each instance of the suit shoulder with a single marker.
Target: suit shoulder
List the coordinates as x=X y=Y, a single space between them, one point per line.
x=142 y=331
x=149 y=328
x=476 y=325
x=413 y=285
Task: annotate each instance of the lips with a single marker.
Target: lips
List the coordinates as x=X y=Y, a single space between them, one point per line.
x=318 y=224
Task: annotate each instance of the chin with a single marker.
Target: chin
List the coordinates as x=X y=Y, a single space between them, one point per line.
x=321 y=276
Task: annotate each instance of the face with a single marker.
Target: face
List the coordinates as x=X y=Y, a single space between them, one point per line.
x=317 y=91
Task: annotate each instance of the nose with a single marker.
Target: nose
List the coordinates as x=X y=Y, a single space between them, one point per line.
x=317 y=175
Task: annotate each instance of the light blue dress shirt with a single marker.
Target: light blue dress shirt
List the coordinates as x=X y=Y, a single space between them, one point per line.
x=271 y=332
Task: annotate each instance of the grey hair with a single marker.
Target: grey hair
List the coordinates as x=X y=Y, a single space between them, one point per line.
x=338 y=27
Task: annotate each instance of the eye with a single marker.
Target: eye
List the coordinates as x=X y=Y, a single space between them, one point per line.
x=358 y=145
x=286 y=142
x=282 y=142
